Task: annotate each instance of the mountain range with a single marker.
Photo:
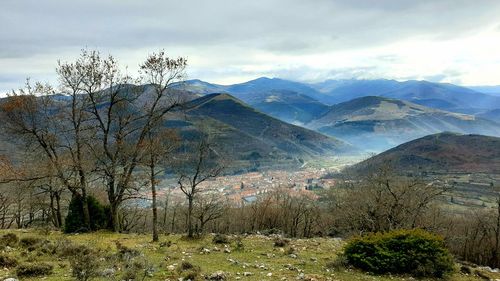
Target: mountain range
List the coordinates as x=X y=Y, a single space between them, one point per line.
x=372 y=114
x=271 y=122
x=442 y=96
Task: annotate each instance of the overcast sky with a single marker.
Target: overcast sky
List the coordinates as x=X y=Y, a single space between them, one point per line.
x=236 y=40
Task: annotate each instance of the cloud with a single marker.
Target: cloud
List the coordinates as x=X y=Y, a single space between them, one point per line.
x=223 y=38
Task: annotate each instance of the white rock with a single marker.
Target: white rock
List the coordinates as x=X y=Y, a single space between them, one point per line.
x=108 y=272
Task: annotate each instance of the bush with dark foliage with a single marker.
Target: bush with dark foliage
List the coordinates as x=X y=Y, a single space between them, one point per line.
x=220 y=239
x=30 y=243
x=137 y=269
x=414 y=252
x=189 y=271
x=34 y=269
x=9 y=239
x=280 y=242
x=98 y=215
x=238 y=244
x=7 y=262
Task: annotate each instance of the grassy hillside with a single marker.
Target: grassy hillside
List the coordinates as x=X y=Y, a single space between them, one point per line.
x=288 y=106
x=444 y=152
x=289 y=101
x=258 y=259
x=256 y=126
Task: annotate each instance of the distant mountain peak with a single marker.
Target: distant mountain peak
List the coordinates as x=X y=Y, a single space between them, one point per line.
x=263 y=78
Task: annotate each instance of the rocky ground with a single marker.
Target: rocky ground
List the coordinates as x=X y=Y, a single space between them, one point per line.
x=39 y=254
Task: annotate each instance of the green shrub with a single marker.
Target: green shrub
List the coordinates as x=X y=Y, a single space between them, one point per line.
x=84 y=263
x=34 y=269
x=188 y=271
x=338 y=263
x=30 y=243
x=65 y=248
x=414 y=252
x=7 y=262
x=280 y=242
x=9 y=239
x=125 y=253
x=271 y=231
x=98 y=215
x=220 y=239
x=47 y=248
x=137 y=269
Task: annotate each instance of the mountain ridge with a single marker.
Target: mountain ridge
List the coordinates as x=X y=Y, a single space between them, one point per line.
x=439 y=153
x=378 y=123
x=443 y=96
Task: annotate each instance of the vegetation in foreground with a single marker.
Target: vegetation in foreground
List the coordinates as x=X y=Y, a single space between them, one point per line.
x=109 y=256
x=415 y=252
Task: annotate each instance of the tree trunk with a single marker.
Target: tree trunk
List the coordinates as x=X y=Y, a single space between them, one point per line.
x=202 y=226
x=172 y=225
x=114 y=220
x=165 y=209
x=18 y=215
x=86 y=212
x=53 y=210
x=58 y=209
x=189 y=217
x=155 y=210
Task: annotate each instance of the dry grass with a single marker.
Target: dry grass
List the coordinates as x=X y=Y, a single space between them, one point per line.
x=258 y=257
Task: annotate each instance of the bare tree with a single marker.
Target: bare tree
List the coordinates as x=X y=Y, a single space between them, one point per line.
x=160 y=143
x=385 y=201
x=121 y=115
x=196 y=167
x=98 y=128
x=208 y=206
x=49 y=129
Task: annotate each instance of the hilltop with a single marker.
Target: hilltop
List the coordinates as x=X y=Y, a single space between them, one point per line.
x=441 y=153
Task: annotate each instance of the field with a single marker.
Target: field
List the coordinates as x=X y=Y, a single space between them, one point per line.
x=257 y=259
x=469 y=191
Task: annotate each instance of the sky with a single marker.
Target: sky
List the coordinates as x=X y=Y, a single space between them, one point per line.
x=231 y=41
